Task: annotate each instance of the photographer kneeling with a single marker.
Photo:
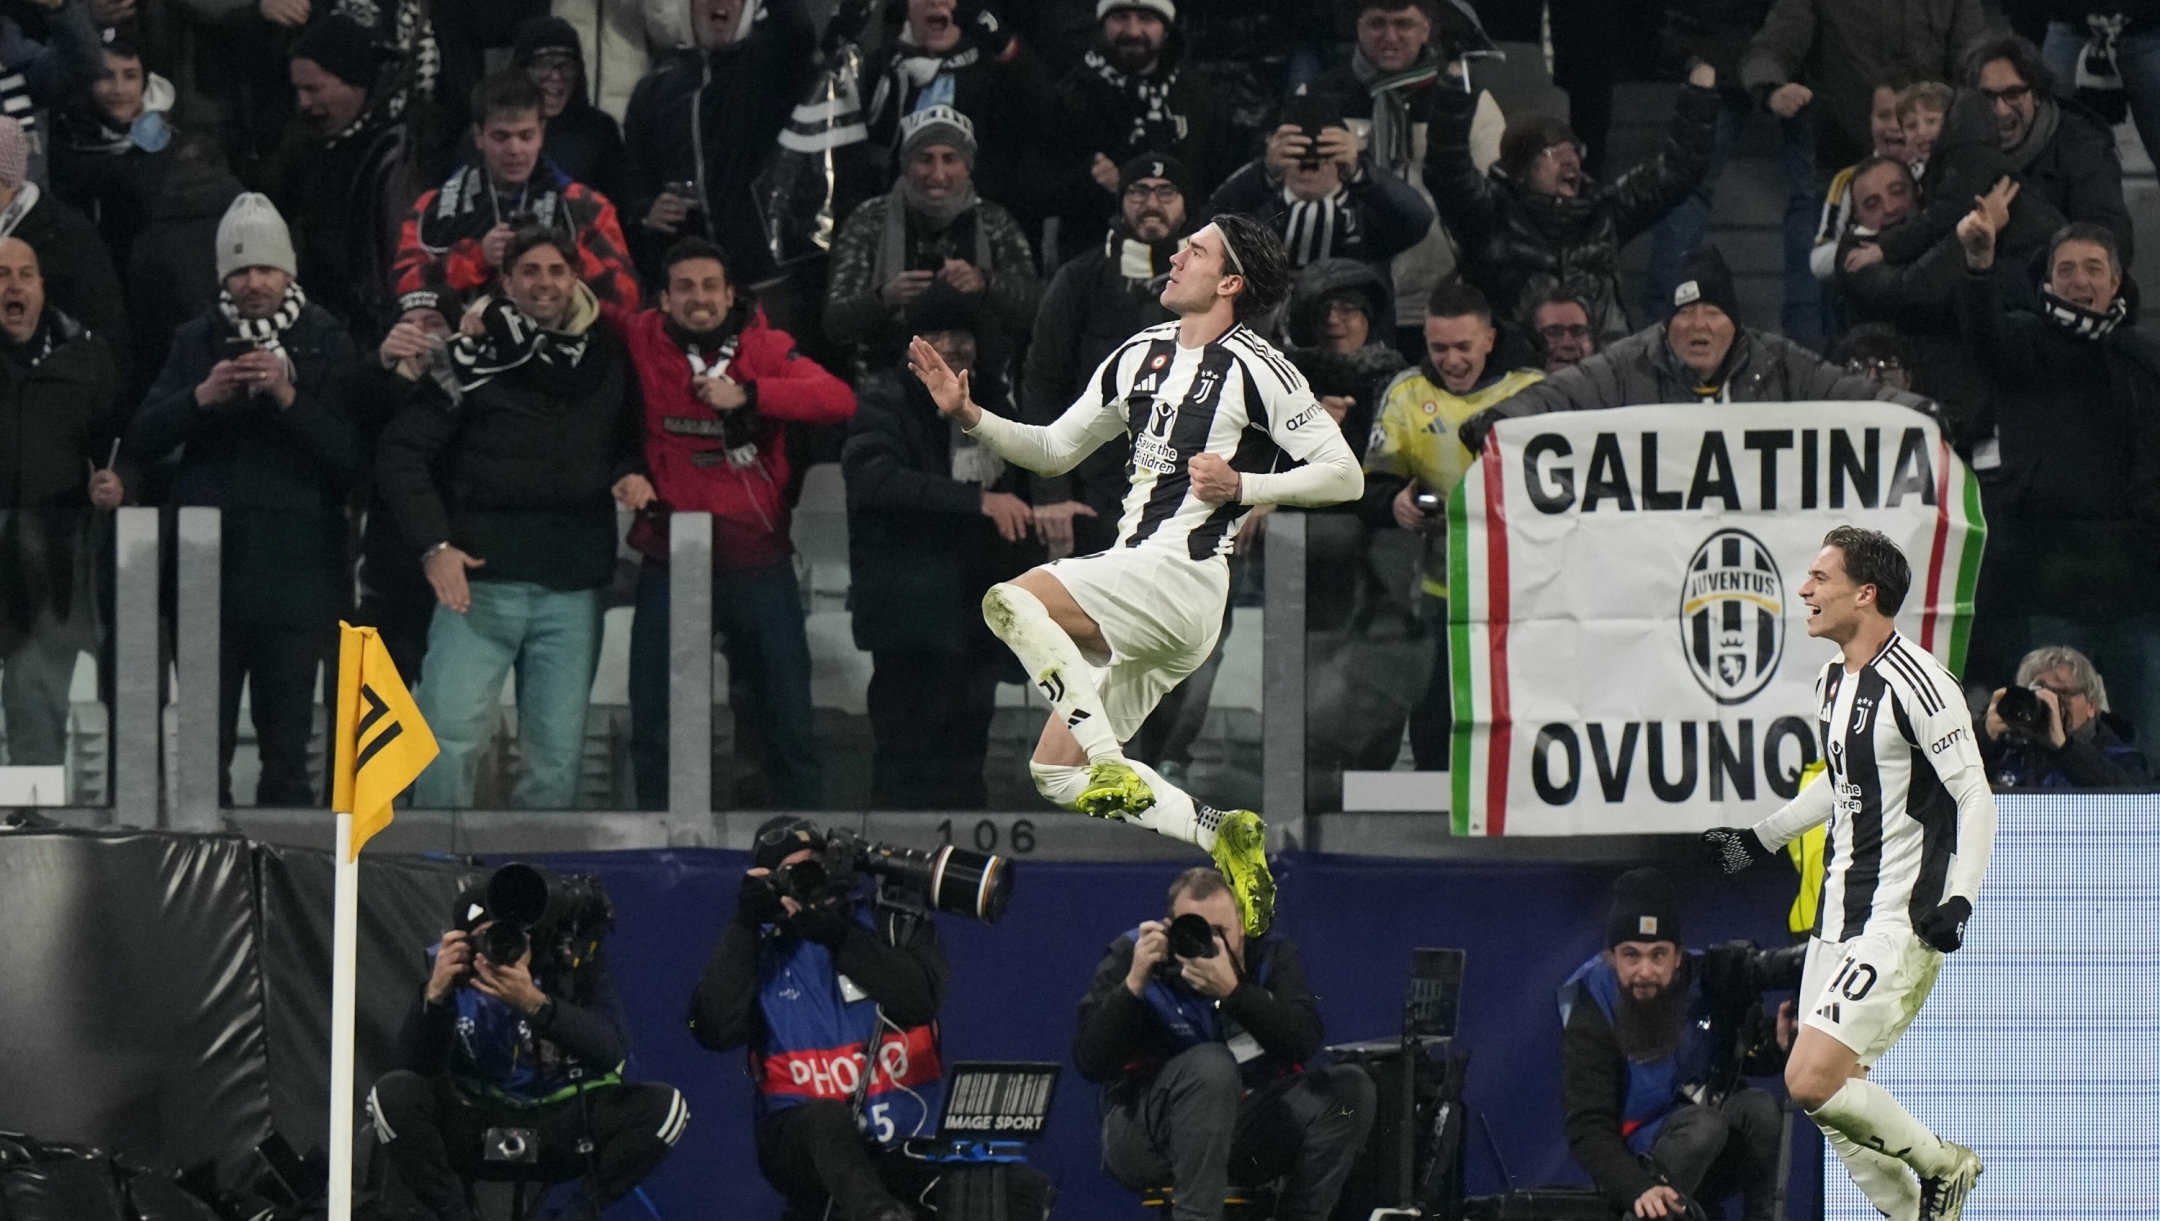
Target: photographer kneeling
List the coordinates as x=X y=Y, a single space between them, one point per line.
x=1198 y=1033
x=836 y=996
x=1655 y=1040
x=511 y=1068
x=2054 y=730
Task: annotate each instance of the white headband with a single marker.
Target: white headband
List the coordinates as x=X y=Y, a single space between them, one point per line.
x=1237 y=265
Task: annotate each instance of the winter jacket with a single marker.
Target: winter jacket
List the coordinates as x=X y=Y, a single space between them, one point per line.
x=1512 y=240
x=1089 y=309
x=493 y=1052
x=78 y=272
x=1099 y=115
x=105 y=174
x=56 y=418
x=281 y=475
x=440 y=243
x=347 y=201
x=1123 y=1040
x=1415 y=438
x=1614 y=1106
x=613 y=36
x=1916 y=298
x=856 y=314
x=1361 y=375
x=519 y=472
x=1421 y=268
x=586 y=143
x=2075 y=507
x=36 y=77
x=1378 y=215
x=1641 y=369
x=920 y=551
x=2103 y=759
x=742 y=96
x=172 y=273
x=2075 y=174
x=995 y=80
x=684 y=451
x=891 y=954
x=1841 y=49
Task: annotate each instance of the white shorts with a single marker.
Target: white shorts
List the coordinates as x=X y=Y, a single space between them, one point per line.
x=1866 y=991
x=1160 y=611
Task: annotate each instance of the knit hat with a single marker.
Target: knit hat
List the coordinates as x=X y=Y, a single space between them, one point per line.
x=342 y=47
x=1159 y=165
x=536 y=35
x=941 y=307
x=14 y=153
x=252 y=234
x=1705 y=280
x=1167 y=9
x=781 y=837
x=444 y=301
x=1644 y=909
x=939 y=124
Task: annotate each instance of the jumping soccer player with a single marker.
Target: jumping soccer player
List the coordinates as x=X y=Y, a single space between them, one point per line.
x=1220 y=422
x=1911 y=825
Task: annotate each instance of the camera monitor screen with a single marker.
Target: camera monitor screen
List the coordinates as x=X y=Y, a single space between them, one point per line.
x=997 y=1101
x=1434 y=998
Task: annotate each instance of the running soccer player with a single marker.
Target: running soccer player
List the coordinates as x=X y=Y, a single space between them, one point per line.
x=1911 y=825
x=1220 y=422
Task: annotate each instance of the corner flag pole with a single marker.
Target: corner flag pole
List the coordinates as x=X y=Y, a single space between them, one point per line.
x=367 y=776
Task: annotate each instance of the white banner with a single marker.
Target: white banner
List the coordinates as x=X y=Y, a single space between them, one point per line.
x=1629 y=651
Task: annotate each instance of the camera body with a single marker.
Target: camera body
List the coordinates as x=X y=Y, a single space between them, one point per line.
x=1735 y=975
x=977 y=885
x=559 y=917
x=2022 y=710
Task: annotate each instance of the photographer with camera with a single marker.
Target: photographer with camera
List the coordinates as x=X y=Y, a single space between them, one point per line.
x=510 y=1061
x=1199 y=1034
x=1655 y=1040
x=836 y=994
x=2054 y=730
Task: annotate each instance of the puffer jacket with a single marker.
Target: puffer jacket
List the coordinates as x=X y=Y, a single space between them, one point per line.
x=1641 y=369
x=1512 y=240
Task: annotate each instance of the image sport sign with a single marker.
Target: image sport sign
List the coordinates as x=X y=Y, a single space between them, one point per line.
x=1628 y=650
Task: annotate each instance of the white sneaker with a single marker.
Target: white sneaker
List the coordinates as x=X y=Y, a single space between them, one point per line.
x=1942 y=1198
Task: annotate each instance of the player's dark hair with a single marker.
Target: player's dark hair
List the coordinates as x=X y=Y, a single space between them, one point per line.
x=694 y=247
x=525 y=239
x=1872 y=559
x=1259 y=255
x=1199 y=882
x=506 y=94
x=1456 y=299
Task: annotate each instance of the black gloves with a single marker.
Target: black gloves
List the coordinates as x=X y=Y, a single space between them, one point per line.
x=1944 y=927
x=757 y=904
x=1733 y=849
x=825 y=924
x=1473 y=430
x=991 y=34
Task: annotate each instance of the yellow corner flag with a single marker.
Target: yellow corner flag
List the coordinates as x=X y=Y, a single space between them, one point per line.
x=382 y=742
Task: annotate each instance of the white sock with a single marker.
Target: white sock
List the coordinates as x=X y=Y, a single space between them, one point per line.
x=1867 y=1114
x=1888 y=1183
x=1054 y=665
x=1058 y=784
x=1175 y=813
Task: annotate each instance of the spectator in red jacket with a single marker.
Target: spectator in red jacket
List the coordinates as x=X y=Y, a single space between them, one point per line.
x=456 y=234
x=720 y=387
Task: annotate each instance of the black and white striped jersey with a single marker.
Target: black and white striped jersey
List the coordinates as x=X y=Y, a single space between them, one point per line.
x=1911 y=818
x=1237 y=398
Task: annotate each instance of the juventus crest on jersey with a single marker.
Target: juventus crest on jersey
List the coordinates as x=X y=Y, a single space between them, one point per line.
x=1237 y=398
x=1900 y=750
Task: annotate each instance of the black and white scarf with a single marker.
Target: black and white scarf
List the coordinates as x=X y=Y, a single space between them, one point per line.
x=267 y=334
x=2082 y=322
x=1314 y=224
x=1392 y=125
x=510 y=338
x=1154 y=124
x=714 y=358
x=412 y=36
x=1141 y=264
x=26 y=197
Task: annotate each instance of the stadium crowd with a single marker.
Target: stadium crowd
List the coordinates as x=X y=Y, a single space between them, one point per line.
x=423 y=293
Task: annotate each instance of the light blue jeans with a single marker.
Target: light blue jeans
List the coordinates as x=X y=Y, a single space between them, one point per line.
x=551 y=638
x=2137 y=57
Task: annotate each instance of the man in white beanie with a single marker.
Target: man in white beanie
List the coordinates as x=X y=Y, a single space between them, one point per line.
x=79 y=276
x=931 y=228
x=249 y=402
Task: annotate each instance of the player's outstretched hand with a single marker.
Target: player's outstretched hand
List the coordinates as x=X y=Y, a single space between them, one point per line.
x=948 y=389
x=1212 y=479
x=1944 y=927
x=1733 y=849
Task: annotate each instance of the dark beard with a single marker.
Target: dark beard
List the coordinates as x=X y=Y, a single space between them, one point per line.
x=1650 y=1030
x=1130 y=57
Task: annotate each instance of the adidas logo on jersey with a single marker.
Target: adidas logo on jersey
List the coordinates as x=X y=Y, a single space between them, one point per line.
x=1830 y=1011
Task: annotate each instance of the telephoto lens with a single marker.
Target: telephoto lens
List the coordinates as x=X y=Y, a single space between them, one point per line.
x=977 y=885
x=1191 y=936
x=503 y=943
